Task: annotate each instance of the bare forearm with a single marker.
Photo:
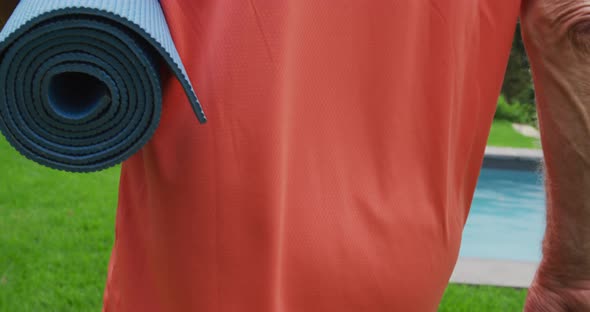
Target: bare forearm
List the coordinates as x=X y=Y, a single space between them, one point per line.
x=6 y=7
x=557 y=35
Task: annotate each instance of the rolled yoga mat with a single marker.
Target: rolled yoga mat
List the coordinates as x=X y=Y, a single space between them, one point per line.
x=79 y=80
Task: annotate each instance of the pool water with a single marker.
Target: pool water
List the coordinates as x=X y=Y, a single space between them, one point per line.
x=507 y=218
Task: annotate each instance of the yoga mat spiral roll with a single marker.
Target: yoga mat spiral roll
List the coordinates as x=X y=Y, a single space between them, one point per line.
x=80 y=88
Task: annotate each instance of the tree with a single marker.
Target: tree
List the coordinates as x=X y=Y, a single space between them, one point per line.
x=518 y=86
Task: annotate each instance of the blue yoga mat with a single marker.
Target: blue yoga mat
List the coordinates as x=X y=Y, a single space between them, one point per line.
x=79 y=80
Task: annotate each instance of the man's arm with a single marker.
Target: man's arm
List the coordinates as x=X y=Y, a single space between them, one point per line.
x=6 y=7
x=557 y=37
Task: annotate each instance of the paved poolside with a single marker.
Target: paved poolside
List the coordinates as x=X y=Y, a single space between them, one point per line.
x=494 y=272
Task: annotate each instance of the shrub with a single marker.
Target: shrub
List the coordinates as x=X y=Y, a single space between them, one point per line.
x=516 y=112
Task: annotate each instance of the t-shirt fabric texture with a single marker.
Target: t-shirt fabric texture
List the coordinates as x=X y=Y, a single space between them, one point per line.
x=338 y=164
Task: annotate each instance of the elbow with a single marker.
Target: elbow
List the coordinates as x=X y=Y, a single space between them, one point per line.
x=555 y=25
x=578 y=35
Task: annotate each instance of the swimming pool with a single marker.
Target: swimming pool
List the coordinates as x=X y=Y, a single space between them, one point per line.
x=507 y=218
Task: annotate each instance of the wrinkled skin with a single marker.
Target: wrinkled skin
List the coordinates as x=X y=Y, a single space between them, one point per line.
x=557 y=37
x=551 y=295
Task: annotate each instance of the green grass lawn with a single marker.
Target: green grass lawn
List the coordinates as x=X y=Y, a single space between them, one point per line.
x=502 y=134
x=464 y=298
x=56 y=232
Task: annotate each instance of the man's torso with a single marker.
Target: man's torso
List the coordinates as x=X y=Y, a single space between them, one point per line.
x=338 y=164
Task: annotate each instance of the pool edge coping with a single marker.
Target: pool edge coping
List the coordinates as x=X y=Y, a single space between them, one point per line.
x=512 y=158
x=511 y=153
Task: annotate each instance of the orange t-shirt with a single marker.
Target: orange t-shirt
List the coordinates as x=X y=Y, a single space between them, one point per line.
x=338 y=165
